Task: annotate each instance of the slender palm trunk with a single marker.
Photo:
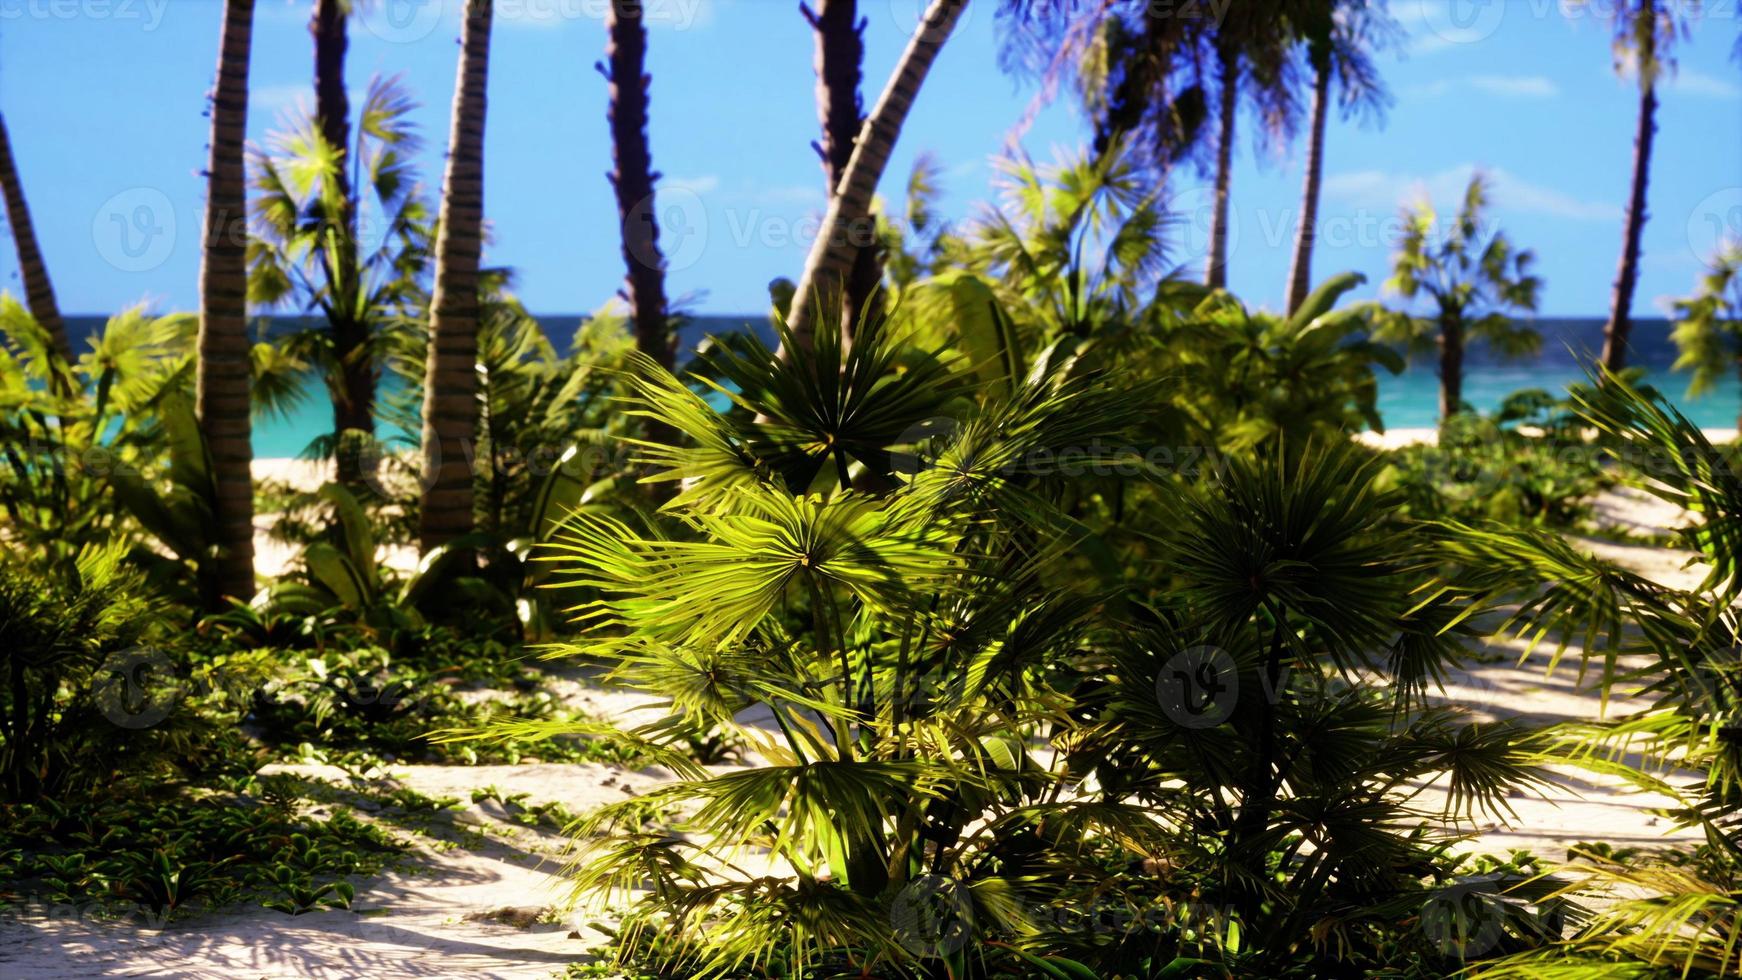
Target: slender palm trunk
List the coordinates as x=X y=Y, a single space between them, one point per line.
x=626 y=55
x=225 y=373
x=1620 y=325
x=1451 y=343
x=1300 y=271
x=38 y=291
x=839 y=62
x=847 y=224
x=450 y=407
x=353 y=389
x=637 y=211
x=1216 y=265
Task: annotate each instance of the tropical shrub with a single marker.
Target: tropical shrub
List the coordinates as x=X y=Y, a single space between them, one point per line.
x=1072 y=249
x=1243 y=377
x=1529 y=462
x=107 y=448
x=1268 y=706
x=68 y=428
x=539 y=413
x=927 y=636
x=78 y=675
x=1075 y=252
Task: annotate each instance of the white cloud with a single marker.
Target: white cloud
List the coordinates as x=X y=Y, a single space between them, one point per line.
x=1526 y=86
x=1686 y=82
x=680 y=15
x=742 y=193
x=704 y=184
x=1690 y=82
x=1505 y=86
x=1382 y=190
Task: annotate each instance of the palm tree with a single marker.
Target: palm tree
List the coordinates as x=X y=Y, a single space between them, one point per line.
x=848 y=219
x=1473 y=282
x=1644 y=30
x=1252 y=50
x=354 y=394
x=840 y=55
x=1708 y=329
x=1227 y=108
x=1339 y=39
x=450 y=411
x=625 y=69
x=38 y=290
x=304 y=250
x=225 y=369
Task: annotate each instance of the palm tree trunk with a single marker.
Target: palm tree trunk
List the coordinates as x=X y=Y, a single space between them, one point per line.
x=1620 y=324
x=354 y=388
x=839 y=62
x=38 y=291
x=224 y=376
x=626 y=55
x=450 y=407
x=1451 y=343
x=1216 y=265
x=1300 y=271
x=848 y=223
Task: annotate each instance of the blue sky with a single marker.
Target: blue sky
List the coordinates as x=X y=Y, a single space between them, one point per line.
x=104 y=100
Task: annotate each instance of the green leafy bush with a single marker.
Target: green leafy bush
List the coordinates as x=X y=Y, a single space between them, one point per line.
x=1528 y=463
x=79 y=675
x=162 y=853
x=959 y=703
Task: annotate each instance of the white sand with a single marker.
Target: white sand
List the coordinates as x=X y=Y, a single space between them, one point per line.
x=273 y=558
x=300 y=474
x=1399 y=438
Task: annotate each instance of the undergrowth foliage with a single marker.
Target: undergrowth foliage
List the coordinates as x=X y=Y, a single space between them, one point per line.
x=955 y=672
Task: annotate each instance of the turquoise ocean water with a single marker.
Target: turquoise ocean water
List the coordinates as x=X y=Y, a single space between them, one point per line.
x=1408 y=400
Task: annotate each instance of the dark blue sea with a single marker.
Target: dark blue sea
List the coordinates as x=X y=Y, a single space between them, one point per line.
x=1408 y=400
